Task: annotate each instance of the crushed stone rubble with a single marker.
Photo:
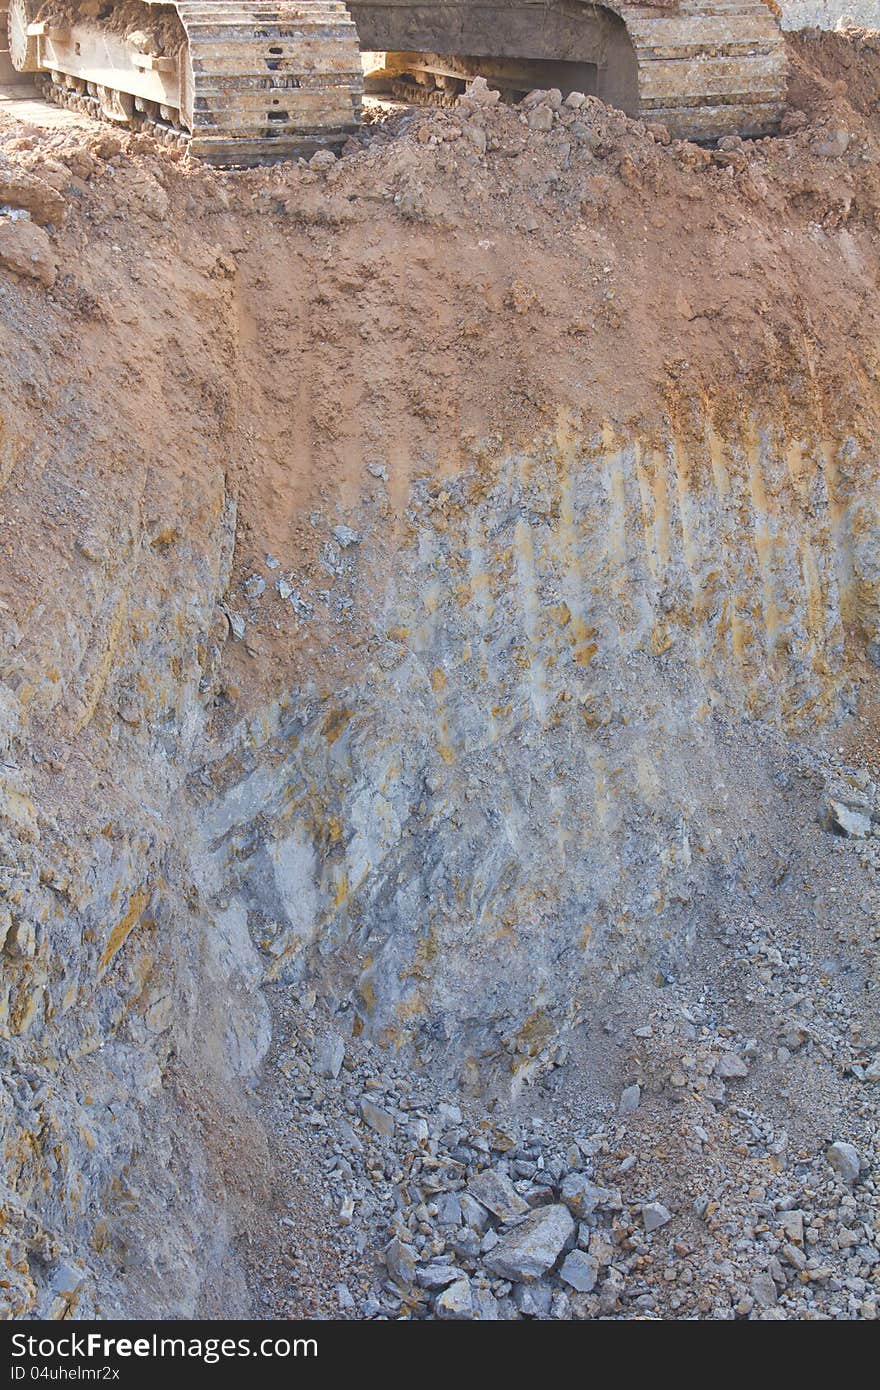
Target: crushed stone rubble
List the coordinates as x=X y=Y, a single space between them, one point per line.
x=445 y=1211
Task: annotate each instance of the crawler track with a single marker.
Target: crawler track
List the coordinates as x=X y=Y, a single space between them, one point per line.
x=251 y=102
x=709 y=67
x=239 y=83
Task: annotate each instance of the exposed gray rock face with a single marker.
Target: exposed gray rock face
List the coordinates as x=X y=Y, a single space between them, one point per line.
x=403 y=848
x=112 y=966
x=483 y=807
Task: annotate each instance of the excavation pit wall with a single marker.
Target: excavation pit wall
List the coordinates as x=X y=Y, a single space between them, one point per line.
x=539 y=775
x=571 y=499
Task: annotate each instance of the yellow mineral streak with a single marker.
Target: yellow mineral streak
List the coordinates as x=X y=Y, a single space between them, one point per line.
x=123 y=929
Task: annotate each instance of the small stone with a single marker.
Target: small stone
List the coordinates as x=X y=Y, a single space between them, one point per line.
x=497 y=1194
x=731 y=1067
x=21 y=938
x=485 y=1305
x=438 y=1276
x=481 y=94
x=575 y=100
x=533 y=1300
x=580 y=1271
x=322 y=159
x=255 y=586
x=582 y=1197
x=832 y=145
x=763 y=1291
x=655 y=1215
x=473 y=1213
x=400 y=1260
x=846 y=820
x=476 y=136
x=450 y=1114
x=792 y=1223
x=532 y=1248
x=660 y=134
x=630 y=1100
x=378 y=1119
x=540 y=118
x=845 y=1161
x=329 y=1056
x=585 y=135
x=27 y=250
x=237 y=625
x=344 y=536
x=456 y=1301
x=448 y=1209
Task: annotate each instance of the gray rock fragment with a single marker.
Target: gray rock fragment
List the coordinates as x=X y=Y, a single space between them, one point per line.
x=438 y=1276
x=473 y=1213
x=533 y=1300
x=378 y=1119
x=345 y=536
x=400 y=1260
x=455 y=1302
x=532 y=1248
x=582 y=1197
x=844 y=1159
x=763 y=1291
x=731 y=1067
x=497 y=1194
x=655 y=1215
x=329 y=1055
x=846 y=820
x=630 y=1100
x=580 y=1271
